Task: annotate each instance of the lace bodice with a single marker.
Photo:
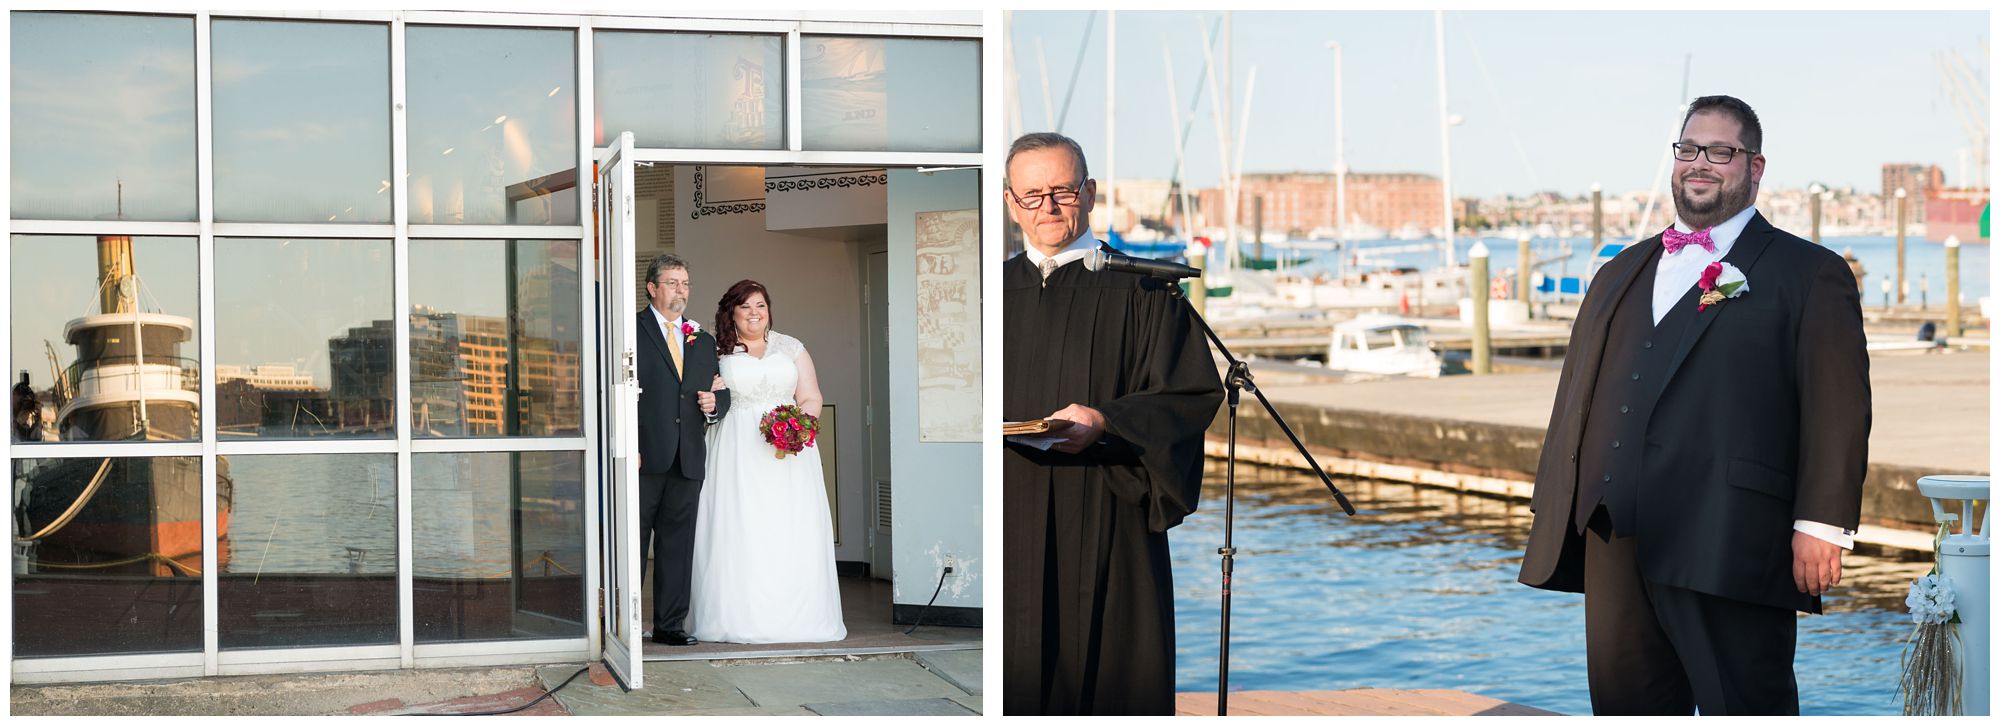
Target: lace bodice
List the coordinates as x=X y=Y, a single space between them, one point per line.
x=757 y=385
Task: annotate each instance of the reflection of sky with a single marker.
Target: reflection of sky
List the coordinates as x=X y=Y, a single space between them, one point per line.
x=687 y=90
x=97 y=99
x=281 y=300
x=55 y=281
x=462 y=82
x=301 y=121
x=468 y=277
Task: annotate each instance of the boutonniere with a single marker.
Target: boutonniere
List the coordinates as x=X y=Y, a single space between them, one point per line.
x=688 y=329
x=1721 y=281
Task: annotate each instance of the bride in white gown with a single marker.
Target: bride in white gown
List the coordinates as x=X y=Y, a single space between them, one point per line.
x=763 y=543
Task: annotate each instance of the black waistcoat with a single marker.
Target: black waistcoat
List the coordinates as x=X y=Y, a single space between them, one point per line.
x=1629 y=376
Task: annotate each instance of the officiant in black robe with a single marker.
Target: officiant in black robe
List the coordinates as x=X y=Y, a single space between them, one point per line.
x=1088 y=602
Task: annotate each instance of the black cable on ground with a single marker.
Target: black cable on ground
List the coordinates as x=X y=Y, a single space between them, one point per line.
x=927 y=606
x=522 y=707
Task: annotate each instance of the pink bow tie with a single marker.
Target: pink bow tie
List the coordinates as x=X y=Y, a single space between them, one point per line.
x=1675 y=239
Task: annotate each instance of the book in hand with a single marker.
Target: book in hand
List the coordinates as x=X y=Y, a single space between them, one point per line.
x=1037 y=426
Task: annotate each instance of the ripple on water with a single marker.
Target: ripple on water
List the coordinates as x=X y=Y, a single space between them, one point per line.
x=1418 y=591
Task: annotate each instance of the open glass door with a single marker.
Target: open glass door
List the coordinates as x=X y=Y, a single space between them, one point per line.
x=619 y=426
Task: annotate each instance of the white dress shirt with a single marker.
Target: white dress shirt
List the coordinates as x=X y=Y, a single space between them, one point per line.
x=1075 y=250
x=1681 y=270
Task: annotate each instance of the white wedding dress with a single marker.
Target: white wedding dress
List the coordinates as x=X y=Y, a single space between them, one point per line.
x=763 y=542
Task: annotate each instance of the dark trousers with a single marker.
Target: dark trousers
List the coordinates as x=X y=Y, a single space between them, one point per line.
x=1666 y=651
x=667 y=504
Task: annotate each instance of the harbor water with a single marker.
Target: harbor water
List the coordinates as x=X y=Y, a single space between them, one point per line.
x=1877 y=255
x=1418 y=591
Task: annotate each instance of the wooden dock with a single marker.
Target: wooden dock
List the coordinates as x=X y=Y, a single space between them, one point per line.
x=1484 y=433
x=1358 y=702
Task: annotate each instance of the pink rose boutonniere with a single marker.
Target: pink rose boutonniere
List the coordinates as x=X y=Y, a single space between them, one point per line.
x=1721 y=281
x=688 y=329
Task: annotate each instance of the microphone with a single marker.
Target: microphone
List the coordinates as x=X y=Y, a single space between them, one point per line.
x=1099 y=261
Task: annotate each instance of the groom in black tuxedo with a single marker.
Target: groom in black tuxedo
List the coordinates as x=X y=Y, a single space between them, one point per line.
x=1703 y=465
x=679 y=393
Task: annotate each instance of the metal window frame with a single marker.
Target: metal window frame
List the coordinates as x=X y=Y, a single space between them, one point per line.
x=213 y=660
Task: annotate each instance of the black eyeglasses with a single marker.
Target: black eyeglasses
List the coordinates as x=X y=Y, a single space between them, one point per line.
x=1717 y=154
x=1062 y=197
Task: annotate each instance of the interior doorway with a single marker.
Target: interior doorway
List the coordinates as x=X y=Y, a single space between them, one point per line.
x=817 y=239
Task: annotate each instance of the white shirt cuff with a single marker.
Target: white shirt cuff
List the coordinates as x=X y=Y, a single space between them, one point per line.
x=1828 y=532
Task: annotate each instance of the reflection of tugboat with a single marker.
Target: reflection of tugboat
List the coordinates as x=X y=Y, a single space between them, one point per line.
x=129 y=383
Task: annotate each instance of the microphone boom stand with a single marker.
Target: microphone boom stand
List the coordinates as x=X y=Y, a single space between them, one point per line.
x=1237 y=381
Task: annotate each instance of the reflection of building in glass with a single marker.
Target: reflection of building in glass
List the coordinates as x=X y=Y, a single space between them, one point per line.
x=268 y=377
x=481 y=375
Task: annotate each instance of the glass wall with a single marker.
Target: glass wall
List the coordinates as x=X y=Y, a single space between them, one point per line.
x=890 y=94
x=104 y=343
x=492 y=126
x=499 y=545
x=347 y=344
x=301 y=121
x=305 y=339
x=691 y=91
x=496 y=338
x=103 y=117
x=309 y=555
x=107 y=556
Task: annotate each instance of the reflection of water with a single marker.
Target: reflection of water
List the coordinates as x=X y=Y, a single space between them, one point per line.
x=1418 y=591
x=336 y=514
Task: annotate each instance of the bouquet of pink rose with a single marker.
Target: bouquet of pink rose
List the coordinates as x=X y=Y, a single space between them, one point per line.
x=790 y=429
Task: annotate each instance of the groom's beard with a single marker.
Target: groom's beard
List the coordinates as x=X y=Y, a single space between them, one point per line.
x=1731 y=196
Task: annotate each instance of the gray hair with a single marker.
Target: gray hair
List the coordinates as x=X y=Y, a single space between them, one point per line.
x=663 y=262
x=1049 y=140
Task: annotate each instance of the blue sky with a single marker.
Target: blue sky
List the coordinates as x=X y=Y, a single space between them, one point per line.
x=1552 y=100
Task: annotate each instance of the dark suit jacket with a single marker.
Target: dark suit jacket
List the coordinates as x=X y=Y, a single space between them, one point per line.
x=670 y=418
x=1763 y=419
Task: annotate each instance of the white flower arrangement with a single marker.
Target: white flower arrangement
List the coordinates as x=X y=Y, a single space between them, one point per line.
x=1932 y=600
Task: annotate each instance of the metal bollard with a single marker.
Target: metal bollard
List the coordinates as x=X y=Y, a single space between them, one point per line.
x=1963 y=557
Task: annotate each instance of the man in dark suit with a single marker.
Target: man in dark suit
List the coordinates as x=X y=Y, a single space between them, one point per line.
x=679 y=393
x=1703 y=465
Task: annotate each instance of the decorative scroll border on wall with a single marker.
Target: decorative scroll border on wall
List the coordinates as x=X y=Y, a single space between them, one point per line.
x=829 y=180
x=705 y=208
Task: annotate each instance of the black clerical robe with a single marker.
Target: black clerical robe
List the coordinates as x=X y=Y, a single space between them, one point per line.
x=1088 y=599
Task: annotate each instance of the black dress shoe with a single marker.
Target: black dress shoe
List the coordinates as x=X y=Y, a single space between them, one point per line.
x=674 y=637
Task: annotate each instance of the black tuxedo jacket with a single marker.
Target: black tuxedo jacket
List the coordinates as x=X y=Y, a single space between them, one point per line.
x=670 y=418
x=1763 y=419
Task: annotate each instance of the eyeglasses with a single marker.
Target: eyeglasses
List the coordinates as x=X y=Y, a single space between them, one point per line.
x=1717 y=154
x=1062 y=197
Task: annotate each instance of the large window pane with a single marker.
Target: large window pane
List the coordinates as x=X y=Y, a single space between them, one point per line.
x=499 y=545
x=890 y=94
x=310 y=556
x=103 y=117
x=305 y=338
x=103 y=339
x=301 y=122
x=495 y=338
x=492 y=126
x=122 y=574
x=691 y=91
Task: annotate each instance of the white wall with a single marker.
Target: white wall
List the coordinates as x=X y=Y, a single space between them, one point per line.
x=815 y=286
x=938 y=507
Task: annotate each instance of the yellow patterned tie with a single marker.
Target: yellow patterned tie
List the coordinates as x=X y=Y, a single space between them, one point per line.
x=674 y=349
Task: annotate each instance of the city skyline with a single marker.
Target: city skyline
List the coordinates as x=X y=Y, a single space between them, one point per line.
x=1501 y=68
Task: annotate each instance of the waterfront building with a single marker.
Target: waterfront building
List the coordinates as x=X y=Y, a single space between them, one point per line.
x=1295 y=203
x=1918 y=181
x=325 y=317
